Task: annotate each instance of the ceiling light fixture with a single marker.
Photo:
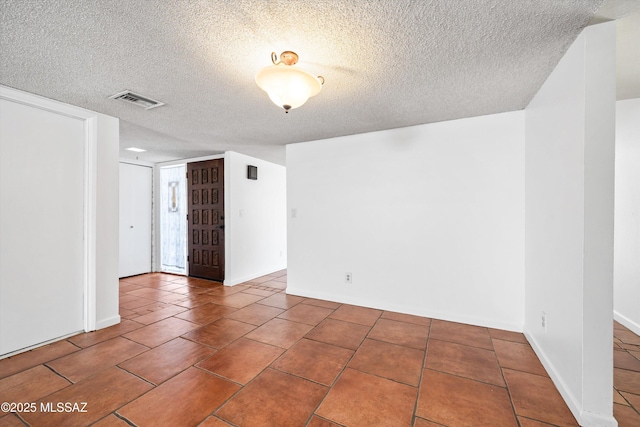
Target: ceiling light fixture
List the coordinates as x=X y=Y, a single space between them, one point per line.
x=288 y=87
x=136 y=150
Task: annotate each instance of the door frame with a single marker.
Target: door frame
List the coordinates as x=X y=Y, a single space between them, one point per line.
x=151 y=207
x=90 y=120
x=157 y=233
x=222 y=217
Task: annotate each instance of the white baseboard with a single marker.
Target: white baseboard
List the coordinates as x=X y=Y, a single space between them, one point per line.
x=590 y=419
x=626 y=322
x=42 y=344
x=247 y=277
x=105 y=323
x=584 y=418
x=416 y=311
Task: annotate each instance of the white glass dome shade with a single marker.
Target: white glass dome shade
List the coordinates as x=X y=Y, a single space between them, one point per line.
x=288 y=87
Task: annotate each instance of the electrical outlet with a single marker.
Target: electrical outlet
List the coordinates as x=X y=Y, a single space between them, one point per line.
x=543 y=321
x=348 y=278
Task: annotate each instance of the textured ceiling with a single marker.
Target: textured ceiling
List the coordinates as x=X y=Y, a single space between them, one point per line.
x=387 y=64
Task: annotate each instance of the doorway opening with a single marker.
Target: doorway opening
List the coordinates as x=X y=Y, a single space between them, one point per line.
x=173 y=219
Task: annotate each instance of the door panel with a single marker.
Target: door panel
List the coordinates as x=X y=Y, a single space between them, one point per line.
x=205 y=190
x=42 y=199
x=135 y=219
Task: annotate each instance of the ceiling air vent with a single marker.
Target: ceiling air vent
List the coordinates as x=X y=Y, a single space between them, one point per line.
x=139 y=100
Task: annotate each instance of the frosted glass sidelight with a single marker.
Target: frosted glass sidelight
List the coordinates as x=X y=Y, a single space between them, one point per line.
x=173 y=219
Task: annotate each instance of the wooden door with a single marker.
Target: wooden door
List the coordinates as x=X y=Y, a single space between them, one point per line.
x=135 y=219
x=205 y=189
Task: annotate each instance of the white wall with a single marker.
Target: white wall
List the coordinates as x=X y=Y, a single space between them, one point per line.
x=429 y=220
x=255 y=219
x=107 y=213
x=627 y=215
x=569 y=224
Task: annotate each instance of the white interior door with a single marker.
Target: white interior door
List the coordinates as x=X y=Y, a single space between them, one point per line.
x=42 y=199
x=135 y=219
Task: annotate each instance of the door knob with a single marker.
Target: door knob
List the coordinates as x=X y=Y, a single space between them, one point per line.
x=222 y=227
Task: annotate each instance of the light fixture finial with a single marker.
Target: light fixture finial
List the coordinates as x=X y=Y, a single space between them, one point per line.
x=287 y=58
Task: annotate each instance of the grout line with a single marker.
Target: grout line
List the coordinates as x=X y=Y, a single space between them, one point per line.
x=63 y=376
x=422 y=369
x=120 y=417
x=153 y=385
x=513 y=407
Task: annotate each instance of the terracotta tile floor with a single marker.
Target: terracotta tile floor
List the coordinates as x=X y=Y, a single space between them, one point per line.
x=626 y=376
x=191 y=352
